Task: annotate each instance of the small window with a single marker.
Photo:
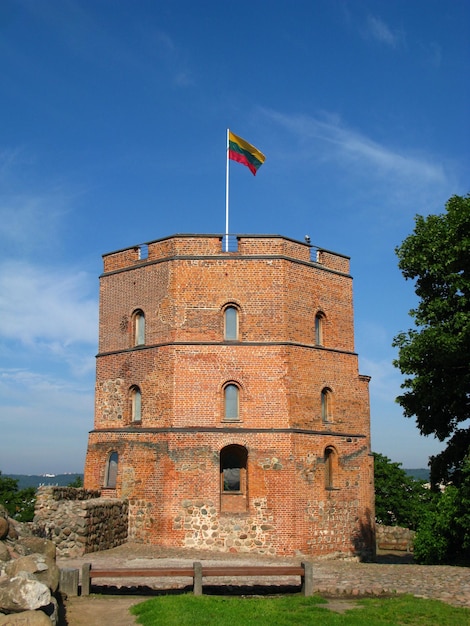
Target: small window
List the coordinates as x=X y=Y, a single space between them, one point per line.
x=330 y=462
x=326 y=405
x=111 y=471
x=319 y=322
x=231 y=402
x=139 y=328
x=231 y=323
x=233 y=462
x=136 y=404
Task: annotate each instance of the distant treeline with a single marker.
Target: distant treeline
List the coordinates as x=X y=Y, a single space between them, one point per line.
x=418 y=474
x=33 y=480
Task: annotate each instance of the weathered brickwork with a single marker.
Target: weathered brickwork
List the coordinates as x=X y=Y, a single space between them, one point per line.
x=299 y=441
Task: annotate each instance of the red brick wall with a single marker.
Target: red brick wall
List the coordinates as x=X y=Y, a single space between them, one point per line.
x=169 y=462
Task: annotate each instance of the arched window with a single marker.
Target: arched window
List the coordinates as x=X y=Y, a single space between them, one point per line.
x=327 y=405
x=111 y=471
x=139 y=328
x=319 y=322
x=230 y=323
x=136 y=404
x=330 y=467
x=233 y=478
x=231 y=402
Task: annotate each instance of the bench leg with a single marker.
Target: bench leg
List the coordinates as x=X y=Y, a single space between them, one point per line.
x=68 y=581
x=86 y=567
x=307 y=579
x=197 y=586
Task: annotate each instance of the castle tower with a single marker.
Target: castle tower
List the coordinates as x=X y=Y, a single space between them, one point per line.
x=229 y=407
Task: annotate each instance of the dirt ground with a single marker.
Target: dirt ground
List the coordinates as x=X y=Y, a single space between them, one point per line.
x=100 y=611
x=114 y=610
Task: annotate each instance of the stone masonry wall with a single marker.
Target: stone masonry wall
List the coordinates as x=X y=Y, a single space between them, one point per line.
x=394 y=538
x=79 y=521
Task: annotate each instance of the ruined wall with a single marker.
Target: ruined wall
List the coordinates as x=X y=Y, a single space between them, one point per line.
x=395 y=538
x=79 y=520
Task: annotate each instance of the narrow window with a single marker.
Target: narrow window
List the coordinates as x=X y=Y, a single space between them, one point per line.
x=329 y=467
x=319 y=318
x=326 y=404
x=233 y=479
x=231 y=402
x=136 y=404
x=139 y=328
x=231 y=323
x=111 y=471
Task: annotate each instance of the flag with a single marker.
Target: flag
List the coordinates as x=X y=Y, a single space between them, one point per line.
x=243 y=152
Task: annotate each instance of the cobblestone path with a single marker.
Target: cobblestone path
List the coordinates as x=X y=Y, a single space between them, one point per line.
x=331 y=577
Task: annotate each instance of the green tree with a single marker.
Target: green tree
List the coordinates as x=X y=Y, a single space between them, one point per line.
x=444 y=533
x=76 y=482
x=399 y=499
x=434 y=357
x=18 y=502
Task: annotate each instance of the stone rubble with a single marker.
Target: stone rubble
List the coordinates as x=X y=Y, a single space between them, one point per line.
x=29 y=576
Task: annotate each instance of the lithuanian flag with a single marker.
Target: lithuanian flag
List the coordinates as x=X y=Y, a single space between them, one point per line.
x=243 y=152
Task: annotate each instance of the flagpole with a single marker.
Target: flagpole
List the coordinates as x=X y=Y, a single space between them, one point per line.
x=226 y=195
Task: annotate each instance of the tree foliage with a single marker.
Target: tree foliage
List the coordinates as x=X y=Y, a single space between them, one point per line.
x=399 y=499
x=444 y=532
x=434 y=357
x=76 y=482
x=18 y=502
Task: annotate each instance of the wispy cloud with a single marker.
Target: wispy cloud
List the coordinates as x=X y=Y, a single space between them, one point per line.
x=352 y=148
x=47 y=307
x=29 y=221
x=54 y=413
x=380 y=31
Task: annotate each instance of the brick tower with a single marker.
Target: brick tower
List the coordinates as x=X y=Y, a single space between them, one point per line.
x=229 y=407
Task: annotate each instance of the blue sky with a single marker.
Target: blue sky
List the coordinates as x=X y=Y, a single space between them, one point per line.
x=114 y=130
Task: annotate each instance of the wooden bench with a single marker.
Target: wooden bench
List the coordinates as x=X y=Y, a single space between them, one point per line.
x=198 y=571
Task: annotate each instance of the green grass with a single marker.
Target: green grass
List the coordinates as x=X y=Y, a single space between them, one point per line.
x=188 y=610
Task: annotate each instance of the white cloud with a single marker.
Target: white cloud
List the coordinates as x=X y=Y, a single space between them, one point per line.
x=27 y=223
x=379 y=30
x=48 y=307
x=353 y=149
x=45 y=420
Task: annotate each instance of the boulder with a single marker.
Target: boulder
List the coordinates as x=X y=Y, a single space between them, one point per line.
x=25 y=618
x=36 y=545
x=4 y=552
x=23 y=593
x=4 y=527
x=41 y=566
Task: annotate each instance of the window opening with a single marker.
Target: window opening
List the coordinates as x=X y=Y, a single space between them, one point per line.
x=143 y=252
x=139 y=328
x=329 y=471
x=111 y=471
x=231 y=402
x=233 y=462
x=326 y=402
x=136 y=404
x=319 y=318
x=231 y=323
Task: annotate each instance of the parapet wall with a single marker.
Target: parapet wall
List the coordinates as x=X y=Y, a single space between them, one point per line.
x=187 y=246
x=79 y=521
